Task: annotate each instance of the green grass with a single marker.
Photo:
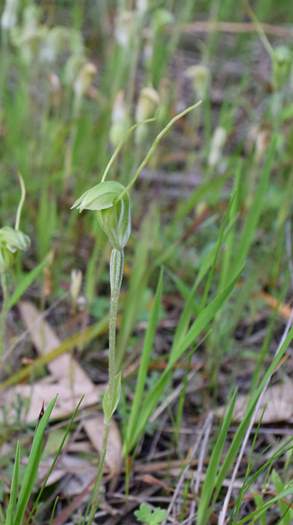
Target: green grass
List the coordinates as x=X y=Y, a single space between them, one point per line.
x=207 y=240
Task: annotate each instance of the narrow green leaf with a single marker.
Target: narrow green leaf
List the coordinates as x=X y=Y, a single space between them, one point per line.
x=111 y=397
x=210 y=477
x=240 y=433
x=137 y=283
x=14 y=488
x=232 y=216
x=144 y=364
x=200 y=194
x=31 y=470
x=26 y=281
x=248 y=233
x=259 y=503
x=185 y=317
x=288 y=491
x=200 y=324
x=57 y=455
x=285 y=511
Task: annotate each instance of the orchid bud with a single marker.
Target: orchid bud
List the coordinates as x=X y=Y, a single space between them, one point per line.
x=11 y=241
x=200 y=77
x=61 y=41
x=217 y=144
x=55 y=89
x=282 y=62
x=161 y=18
x=75 y=286
x=72 y=68
x=120 y=120
x=31 y=35
x=54 y=43
x=113 y=213
x=147 y=105
x=84 y=79
x=124 y=27
x=9 y=15
x=31 y=19
x=261 y=143
x=142 y=6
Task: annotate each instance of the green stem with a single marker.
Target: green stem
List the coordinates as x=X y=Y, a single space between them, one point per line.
x=96 y=489
x=116 y=273
x=3 y=314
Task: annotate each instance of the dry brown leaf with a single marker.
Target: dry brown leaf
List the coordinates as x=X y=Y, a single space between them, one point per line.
x=94 y=429
x=72 y=381
x=65 y=367
x=80 y=471
x=33 y=396
x=276 y=407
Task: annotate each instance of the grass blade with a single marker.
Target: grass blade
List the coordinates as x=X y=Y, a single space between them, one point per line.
x=248 y=233
x=31 y=470
x=209 y=481
x=200 y=324
x=144 y=364
x=240 y=433
x=288 y=491
x=26 y=281
x=14 y=488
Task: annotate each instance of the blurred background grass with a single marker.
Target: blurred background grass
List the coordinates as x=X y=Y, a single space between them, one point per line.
x=217 y=192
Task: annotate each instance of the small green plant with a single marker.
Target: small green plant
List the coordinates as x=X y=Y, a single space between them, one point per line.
x=150 y=515
x=115 y=220
x=12 y=240
x=110 y=201
x=22 y=484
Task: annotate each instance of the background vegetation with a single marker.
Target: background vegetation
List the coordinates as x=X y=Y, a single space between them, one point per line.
x=205 y=318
